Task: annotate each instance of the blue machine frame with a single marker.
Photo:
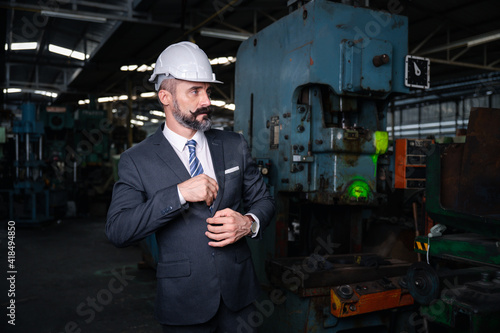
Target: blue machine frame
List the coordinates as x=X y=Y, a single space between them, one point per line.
x=311 y=93
x=322 y=55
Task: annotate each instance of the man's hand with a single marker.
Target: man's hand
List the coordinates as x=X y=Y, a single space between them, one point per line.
x=199 y=188
x=227 y=227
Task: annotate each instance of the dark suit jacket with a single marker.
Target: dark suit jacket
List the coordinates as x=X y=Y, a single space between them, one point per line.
x=192 y=276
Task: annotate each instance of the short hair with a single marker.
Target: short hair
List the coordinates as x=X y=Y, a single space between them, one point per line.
x=169 y=85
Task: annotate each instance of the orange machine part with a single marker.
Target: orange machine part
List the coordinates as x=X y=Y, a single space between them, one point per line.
x=374 y=299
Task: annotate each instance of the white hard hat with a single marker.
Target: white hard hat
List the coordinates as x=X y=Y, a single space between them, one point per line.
x=183 y=61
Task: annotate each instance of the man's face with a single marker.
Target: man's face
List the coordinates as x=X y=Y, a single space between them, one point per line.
x=191 y=105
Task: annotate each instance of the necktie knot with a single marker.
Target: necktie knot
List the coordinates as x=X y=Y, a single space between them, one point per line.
x=191 y=145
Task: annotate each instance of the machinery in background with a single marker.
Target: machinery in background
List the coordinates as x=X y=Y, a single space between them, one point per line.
x=28 y=199
x=311 y=96
x=410 y=160
x=459 y=286
x=78 y=145
x=60 y=159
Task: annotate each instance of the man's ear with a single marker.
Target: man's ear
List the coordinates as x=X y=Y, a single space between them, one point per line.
x=165 y=97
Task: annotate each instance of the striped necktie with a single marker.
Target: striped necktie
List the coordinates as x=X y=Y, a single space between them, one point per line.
x=195 y=167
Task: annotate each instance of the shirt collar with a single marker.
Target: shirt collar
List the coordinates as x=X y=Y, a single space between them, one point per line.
x=179 y=142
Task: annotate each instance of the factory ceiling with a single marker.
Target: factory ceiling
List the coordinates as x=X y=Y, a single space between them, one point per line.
x=78 y=49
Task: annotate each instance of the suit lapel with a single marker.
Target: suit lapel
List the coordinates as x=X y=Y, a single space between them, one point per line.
x=217 y=153
x=166 y=153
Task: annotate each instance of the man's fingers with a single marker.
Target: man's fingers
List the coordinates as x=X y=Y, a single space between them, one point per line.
x=220 y=244
x=220 y=228
x=217 y=236
x=199 y=188
x=224 y=212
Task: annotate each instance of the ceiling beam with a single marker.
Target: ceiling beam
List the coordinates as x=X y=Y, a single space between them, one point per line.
x=466 y=42
x=207 y=20
x=464 y=64
x=426 y=39
x=98 y=16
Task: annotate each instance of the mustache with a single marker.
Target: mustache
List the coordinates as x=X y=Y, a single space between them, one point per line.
x=197 y=112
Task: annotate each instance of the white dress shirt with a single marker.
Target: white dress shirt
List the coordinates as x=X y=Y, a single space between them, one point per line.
x=202 y=151
x=178 y=142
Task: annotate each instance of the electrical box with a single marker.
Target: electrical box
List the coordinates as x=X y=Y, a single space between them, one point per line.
x=411 y=156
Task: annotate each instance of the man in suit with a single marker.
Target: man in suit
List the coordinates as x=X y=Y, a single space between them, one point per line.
x=187 y=183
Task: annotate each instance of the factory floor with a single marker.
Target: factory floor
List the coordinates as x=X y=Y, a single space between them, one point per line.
x=71 y=279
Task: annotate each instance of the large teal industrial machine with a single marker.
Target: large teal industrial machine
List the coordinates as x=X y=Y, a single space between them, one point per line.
x=311 y=97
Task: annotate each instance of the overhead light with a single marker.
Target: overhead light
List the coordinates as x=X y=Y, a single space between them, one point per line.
x=71 y=16
x=222 y=60
x=11 y=90
x=77 y=55
x=104 y=99
x=129 y=68
x=218 y=103
x=157 y=113
x=230 y=107
x=34 y=91
x=148 y=94
x=23 y=46
x=45 y=93
x=225 y=34
x=137 y=122
x=60 y=50
x=67 y=52
x=141 y=117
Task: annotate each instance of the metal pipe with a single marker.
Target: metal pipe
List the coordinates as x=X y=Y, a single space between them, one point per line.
x=393 y=127
x=74 y=171
x=91 y=14
x=210 y=18
x=464 y=64
x=40 y=148
x=27 y=155
x=16 y=138
x=40 y=153
x=468 y=42
x=335 y=174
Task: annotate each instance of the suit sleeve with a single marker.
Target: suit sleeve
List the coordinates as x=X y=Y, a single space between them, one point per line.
x=133 y=215
x=256 y=197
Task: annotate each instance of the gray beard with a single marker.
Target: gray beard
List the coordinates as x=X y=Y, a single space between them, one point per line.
x=190 y=121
